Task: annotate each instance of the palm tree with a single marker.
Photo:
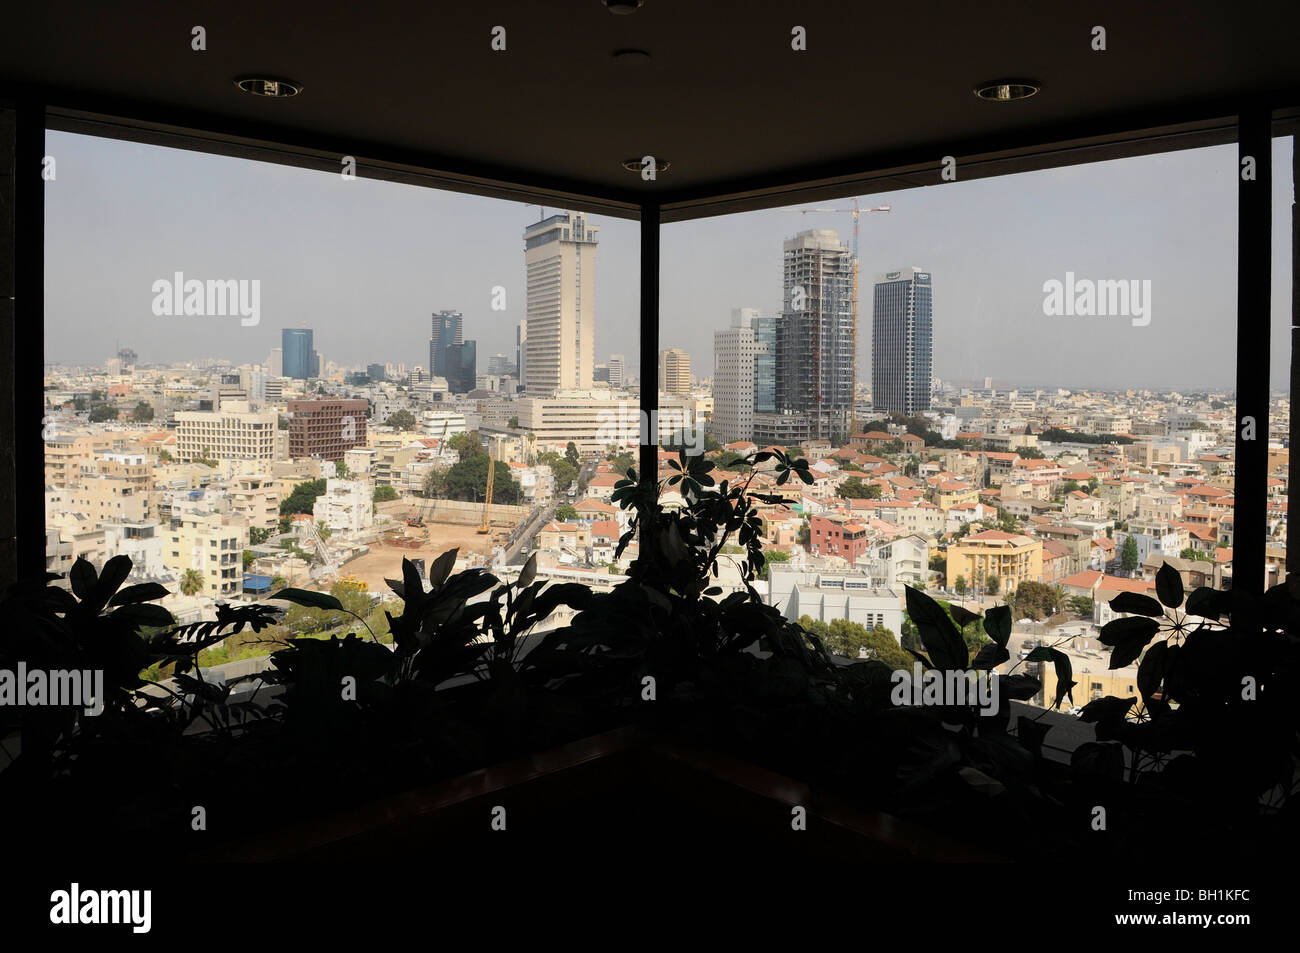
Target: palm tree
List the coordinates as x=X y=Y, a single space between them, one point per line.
x=191 y=582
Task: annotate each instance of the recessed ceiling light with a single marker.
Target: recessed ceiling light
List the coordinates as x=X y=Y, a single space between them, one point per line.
x=267 y=86
x=631 y=57
x=622 y=7
x=1006 y=90
x=636 y=165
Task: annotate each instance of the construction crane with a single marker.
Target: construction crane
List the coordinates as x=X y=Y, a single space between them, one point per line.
x=487 y=497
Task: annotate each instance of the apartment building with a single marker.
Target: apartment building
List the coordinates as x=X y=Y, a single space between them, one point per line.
x=1011 y=557
x=65 y=456
x=346 y=505
x=560 y=270
x=210 y=544
x=257 y=499
x=834 y=535
x=232 y=433
x=827 y=596
x=326 y=428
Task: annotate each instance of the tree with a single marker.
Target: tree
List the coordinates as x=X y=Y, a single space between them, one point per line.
x=278 y=582
x=258 y=536
x=385 y=493
x=854 y=489
x=303 y=498
x=401 y=420
x=565 y=512
x=142 y=412
x=563 y=471
x=1128 y=555
x=341 y=471
x=853 y=640
x=939 y=563
x=164 y=456
x=466 y=479
x=993 y=585
x=103 y=412
x=1093 y=483
x=1030 y=453
x=513 y=423
x=1190 y=553
x=571 y=453
x=248 y=559
x=804 y=536
x=1033 y=599
x=1070 y=486
x=960 y=585
x=282 y=422
x=772 y=556
x=1082 y=606
x=191 y=582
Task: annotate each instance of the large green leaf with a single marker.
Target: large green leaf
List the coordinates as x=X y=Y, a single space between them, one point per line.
x=144 y=592
x=1136 y=603
x=442 y=567
x=943 y=642
x=1209 y=603
x=990 y=656
x=1169 y=586
x=82 y=577
x=961 y=615
x=305 y=597
x=1064 y=676
x=997 y=623
x=1152 y=670
x=1118 y=631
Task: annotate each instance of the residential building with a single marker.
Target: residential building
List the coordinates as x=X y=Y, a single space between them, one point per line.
x=232 y=433
x=827 y=596
x=326 y=428
x=210 y=544
x=1011 y=557
x=816 y=335
x=902 y=342
x=674 y=372
x=560 y=264
x=346 y=505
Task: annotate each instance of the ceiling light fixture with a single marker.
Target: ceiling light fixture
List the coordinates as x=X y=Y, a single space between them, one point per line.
x=622 y=7
x=631 y=57
x=1007 y=90
x=267 y=86
x=636 y=164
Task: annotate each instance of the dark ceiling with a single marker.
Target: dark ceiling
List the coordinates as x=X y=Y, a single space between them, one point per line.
x=882 y=92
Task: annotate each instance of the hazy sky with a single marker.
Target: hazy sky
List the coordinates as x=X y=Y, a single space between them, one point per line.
x=364 y=264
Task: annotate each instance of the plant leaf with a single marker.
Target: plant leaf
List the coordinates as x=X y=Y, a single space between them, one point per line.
x=1169 y=586
x=1136 y=603
x=305 y=597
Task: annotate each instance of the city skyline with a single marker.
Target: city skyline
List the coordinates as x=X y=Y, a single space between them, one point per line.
x=152 y=204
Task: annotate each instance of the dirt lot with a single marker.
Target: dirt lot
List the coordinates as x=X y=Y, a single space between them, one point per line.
x=385 y=561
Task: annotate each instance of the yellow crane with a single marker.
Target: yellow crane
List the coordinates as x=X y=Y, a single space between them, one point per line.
x=486 y=527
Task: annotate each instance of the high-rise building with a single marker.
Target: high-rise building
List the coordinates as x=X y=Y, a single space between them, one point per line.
x=521 y=351
x=233 y=432
x=617 y=371
x=734 y=351
x=499 y=365
x=300 y=360
x=326 y=428
x=902 y=343
x=674 y=372
x=560 y=261
x=127 y=356
x=462 y=367
x=275 y=362
x=764 y=364
x=447 y=328
x=815 y=364
x=376 y=372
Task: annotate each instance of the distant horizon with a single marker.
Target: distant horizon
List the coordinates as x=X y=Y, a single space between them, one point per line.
x=365 y=264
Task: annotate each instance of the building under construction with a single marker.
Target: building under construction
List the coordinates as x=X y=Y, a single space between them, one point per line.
x=816 y=337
